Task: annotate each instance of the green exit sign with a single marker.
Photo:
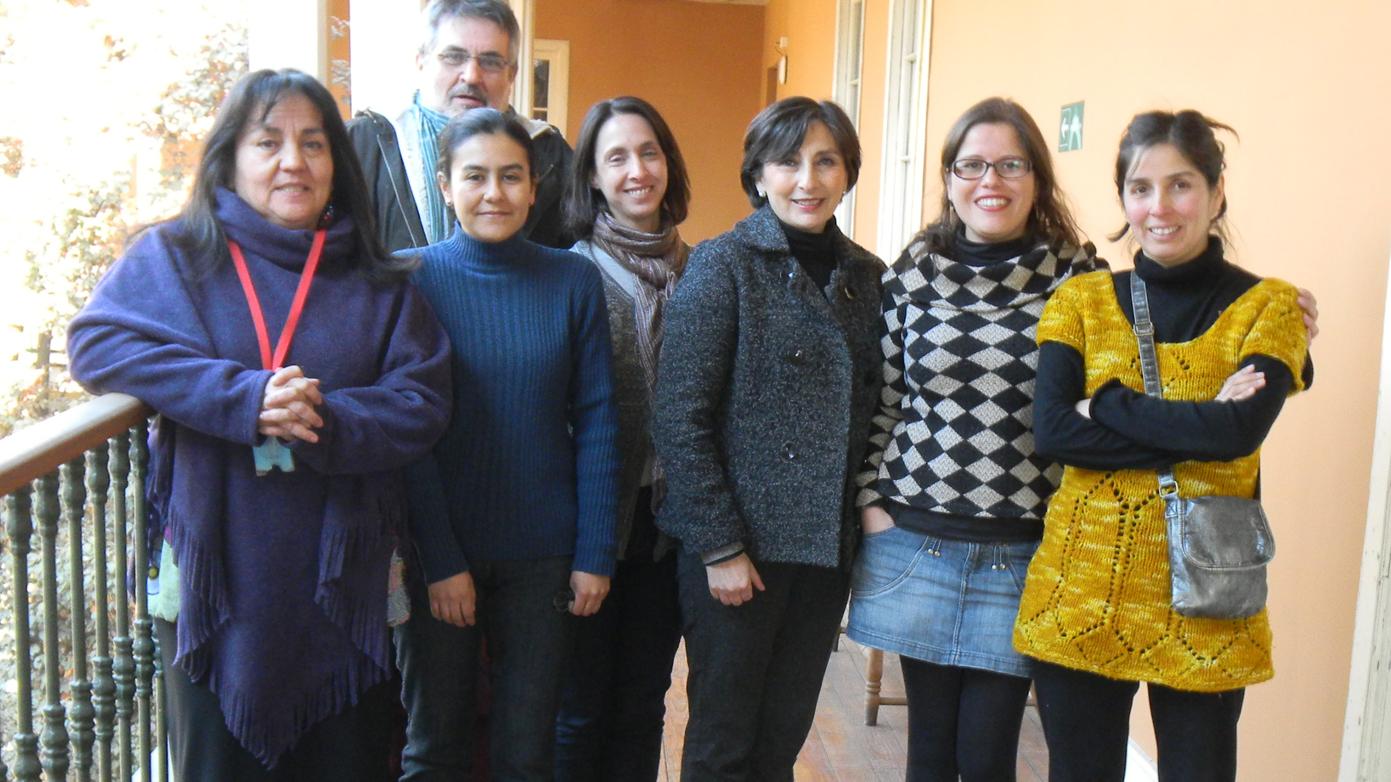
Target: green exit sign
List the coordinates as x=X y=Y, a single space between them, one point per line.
x=1070 y=128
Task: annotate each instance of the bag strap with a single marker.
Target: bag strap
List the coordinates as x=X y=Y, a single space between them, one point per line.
x=1149 y=366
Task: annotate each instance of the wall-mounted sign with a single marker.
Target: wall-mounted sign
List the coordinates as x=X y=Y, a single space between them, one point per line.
x=1070 y=128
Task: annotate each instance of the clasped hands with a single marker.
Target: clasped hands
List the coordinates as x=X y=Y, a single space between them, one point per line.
x=288 y=409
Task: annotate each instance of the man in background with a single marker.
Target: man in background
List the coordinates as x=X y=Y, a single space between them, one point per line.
x=467 y=60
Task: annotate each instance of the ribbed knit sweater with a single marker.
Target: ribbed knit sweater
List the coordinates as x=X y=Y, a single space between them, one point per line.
x=1097 y=594
x=529 y=466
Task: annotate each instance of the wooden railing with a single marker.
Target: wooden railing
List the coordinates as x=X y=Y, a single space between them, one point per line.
x=78 y=480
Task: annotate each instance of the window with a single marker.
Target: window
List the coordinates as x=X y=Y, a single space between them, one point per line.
x=550 y=89
x=905 y=115
x=850 y=36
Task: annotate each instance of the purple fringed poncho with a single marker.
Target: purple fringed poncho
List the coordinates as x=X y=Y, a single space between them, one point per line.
x=283 y=578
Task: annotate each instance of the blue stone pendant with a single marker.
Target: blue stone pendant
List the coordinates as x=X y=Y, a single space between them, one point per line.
x=272 y=454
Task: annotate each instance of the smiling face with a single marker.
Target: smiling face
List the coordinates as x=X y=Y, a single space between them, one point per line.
x=452 y=78
x=489 y=186
x=992 y=209
x=1169 y=205
x=630 y=171
x=805 y=188
x=284 y=165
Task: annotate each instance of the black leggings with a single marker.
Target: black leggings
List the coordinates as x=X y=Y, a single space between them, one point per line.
x=1086 y=720
x=962 y=722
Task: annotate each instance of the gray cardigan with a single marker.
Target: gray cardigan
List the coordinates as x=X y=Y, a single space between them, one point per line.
x=629 y=391
x=764 y=396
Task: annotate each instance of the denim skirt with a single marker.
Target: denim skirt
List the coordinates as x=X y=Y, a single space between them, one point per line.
x=948 y=602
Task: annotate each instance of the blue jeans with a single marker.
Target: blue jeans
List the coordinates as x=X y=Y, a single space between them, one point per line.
x=614 y=699
x=527 y=638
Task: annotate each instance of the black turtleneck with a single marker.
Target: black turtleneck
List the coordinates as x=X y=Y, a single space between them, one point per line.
x=815 y=252
x=1129 y=429
x=985 y=253
x=1185 y=300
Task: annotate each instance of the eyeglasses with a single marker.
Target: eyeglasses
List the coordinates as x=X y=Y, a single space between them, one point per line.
x=1006 y=167
x=488 y=63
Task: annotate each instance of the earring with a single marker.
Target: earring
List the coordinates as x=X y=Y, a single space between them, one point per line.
x=760 y=192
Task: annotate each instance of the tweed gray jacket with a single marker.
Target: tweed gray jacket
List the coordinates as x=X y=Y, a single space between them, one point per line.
x=629 y=393
x=764 y=394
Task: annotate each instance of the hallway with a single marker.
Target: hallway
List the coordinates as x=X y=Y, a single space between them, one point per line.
x=841 y=748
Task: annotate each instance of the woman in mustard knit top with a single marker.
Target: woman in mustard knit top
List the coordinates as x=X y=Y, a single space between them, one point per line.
x=1095 y=613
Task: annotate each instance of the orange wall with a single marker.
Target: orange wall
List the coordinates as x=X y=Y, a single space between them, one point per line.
x=810 y=28
x=698 y=63
x=1289 y=82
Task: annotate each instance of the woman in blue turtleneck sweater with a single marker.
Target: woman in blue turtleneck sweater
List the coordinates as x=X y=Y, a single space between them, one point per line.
x=514 y=512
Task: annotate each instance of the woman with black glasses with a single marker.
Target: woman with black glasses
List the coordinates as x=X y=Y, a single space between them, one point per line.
x=952 y=493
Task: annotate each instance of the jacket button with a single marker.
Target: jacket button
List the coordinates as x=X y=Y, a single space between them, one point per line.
x=787 y=453
x=792 y=275
x=797 y=356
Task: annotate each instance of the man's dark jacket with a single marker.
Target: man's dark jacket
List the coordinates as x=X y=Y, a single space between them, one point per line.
x=394 y=207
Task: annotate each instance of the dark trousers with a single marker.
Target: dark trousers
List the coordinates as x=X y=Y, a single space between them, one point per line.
x=962 y=722
x=522 y=614
x=1086 y=721
x=351 y=746
x=755 y=669
x=613 y=701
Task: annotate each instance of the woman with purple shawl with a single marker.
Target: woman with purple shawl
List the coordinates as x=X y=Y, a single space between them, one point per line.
x=295 y=372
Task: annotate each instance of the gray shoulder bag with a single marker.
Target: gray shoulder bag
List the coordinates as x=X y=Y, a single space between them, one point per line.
x=1218 y=546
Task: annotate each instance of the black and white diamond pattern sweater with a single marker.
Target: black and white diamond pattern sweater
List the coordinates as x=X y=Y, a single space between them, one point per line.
x=951 y=445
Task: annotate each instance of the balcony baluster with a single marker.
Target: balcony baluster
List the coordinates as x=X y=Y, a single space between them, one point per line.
x=20 y=527
x=104 y=688
x=81 y=715
x=123 y=667
x=54 y=739
x=144 y=645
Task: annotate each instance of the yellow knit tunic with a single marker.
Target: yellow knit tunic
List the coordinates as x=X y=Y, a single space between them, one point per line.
x=1097 y=594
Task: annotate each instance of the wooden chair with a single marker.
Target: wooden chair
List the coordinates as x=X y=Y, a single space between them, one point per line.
x=874 y=675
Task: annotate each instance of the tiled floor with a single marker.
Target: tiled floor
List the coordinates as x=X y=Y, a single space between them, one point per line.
x=841 y=748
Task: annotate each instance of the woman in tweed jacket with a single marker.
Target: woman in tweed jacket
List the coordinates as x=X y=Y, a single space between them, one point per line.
x=769 y=374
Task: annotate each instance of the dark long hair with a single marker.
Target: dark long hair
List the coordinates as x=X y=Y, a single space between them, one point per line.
x=252 y=98
x=1049 y=220
x=1193 y=134
x=583 y=201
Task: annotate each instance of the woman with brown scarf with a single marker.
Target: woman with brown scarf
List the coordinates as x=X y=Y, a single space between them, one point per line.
x=627 y=193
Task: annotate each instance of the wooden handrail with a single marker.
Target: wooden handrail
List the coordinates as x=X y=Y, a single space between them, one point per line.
x=40 y=449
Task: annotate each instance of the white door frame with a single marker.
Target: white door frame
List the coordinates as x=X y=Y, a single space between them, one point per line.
x=525 y=11
x=1367 y=727
x=847 y=90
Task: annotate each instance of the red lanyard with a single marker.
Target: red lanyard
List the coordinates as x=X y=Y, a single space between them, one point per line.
x=306 y=277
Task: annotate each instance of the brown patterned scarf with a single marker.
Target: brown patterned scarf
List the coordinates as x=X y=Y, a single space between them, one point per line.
x=656 y=260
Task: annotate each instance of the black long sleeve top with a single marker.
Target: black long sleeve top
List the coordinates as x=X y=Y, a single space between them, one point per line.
x=1129 y=429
